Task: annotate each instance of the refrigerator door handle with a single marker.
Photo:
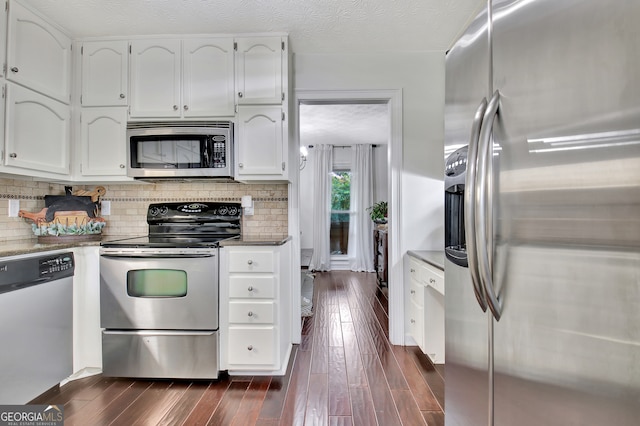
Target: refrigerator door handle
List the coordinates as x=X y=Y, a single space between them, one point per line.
x=470 y=204
x=484 y=202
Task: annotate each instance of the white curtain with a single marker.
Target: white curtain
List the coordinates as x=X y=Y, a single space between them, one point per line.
x=360 y=250
x=323 y=163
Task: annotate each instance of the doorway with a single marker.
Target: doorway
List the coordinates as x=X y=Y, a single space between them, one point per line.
x=389 y=142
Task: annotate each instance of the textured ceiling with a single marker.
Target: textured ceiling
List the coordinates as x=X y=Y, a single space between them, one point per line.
x=314 y=26
x=344 y=124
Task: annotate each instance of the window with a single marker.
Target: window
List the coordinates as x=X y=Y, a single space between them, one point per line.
x=340 y=211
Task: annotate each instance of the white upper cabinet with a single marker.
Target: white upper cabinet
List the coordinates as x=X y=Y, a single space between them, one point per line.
x=155 y=78
x=260 y=70
x=207 y=87
x=103 y=141
x=261 y=143
x=105 y=67
x=182 y=79
x=37 y=130
x=38 y=54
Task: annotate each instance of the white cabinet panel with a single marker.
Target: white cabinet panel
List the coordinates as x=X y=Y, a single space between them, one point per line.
x=259 y=70
x=155 y=78
x=251 y=261
x=103 y=139
x=207 y=87
x=260 y=143
x=252 y=286
x=255 y=347
x=39 y=55
x=254 y=312
x=105 y=68
x=37 y=130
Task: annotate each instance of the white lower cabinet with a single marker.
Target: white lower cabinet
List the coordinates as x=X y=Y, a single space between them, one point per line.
x=256 y=296
x=425 y=307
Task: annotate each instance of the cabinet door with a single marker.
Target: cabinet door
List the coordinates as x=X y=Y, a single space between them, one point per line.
x=207 y=86
x=39 y=55
x=260 y=142
x=155 y=78
x=105 y=65
x=103 y=139
x=37 y=130
x=259 y=70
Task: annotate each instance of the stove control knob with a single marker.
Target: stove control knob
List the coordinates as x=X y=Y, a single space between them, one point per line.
x=233 y=211
x=153 y=211
x=222 y=211
x=164 y=210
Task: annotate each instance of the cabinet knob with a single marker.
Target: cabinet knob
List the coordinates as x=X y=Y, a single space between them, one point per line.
x=240 y=94
x=412 y=270
x=186 y=107
x=413 y=321
x=122 y=166
x=122 y=96
x=13 y=155
x=175 y=107
x=250 y=262
x=14 y=69
x=413 y=292
x=240 y=165
x=250 y=348
x=250 y=288
x=432 y=281
x=250 y=314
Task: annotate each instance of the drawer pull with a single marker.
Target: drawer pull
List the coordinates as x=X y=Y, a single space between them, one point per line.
x=250 y=348
x=250 y=262
x=250 y=288
x=413 y=292
x=413 y=321
x=413 y=270
x=250 y=314
x=432 y=281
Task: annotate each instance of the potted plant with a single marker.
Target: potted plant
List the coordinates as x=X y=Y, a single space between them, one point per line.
x=378 y=212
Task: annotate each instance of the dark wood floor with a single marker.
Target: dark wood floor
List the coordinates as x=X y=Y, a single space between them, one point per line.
x=344 y=372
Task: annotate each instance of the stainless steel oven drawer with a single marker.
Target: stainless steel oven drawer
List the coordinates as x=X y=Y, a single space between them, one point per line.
x=160 y=354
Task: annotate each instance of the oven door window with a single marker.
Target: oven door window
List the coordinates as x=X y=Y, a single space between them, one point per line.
x=157 y=283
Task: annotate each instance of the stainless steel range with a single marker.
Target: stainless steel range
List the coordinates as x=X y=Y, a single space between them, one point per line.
x=159 y=293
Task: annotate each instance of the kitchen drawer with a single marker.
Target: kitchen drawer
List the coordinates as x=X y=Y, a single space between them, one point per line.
x=416 y=323
x=251 y=261
x=252 y=287
x=433 y=279
x=416 y=292
x=252 y=346
x=251 y=312
x=415 y=269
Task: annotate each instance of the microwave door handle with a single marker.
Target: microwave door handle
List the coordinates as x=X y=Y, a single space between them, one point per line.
x=484 y=205
x=470 y=195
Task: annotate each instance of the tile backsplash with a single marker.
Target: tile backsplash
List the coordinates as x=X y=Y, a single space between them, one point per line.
x=129 y=204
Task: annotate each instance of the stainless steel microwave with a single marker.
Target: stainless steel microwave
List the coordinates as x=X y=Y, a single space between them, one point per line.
x=179 y=149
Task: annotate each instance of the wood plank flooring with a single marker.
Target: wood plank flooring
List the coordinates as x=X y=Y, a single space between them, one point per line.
x=344 y=372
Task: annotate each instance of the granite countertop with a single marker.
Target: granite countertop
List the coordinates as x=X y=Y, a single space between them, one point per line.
x=432 y=257
x=19 y=247
x=249 y=240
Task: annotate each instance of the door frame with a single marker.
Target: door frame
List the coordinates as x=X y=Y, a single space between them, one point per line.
x=393 y=99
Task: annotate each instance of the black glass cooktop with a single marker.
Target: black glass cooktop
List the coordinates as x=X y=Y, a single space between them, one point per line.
x=167 y=242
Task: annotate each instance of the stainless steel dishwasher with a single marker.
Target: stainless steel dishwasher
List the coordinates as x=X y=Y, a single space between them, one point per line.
x=36 y=324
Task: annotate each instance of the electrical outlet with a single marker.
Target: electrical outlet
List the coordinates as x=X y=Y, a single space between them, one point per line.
x=248 y=211
x=105 y=208
x=14 y=208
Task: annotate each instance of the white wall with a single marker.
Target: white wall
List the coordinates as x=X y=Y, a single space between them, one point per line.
x=420 y=75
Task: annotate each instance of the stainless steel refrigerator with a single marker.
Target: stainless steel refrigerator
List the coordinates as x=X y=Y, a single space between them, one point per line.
x=543 y=215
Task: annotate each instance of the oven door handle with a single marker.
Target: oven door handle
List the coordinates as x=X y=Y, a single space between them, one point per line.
x=161 y=332
x=157 y=255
